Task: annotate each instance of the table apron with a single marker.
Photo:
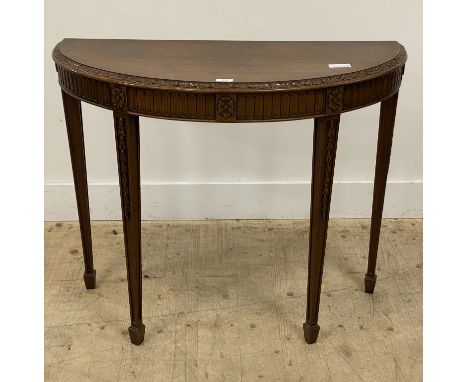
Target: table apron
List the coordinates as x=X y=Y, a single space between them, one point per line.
x=231 y=107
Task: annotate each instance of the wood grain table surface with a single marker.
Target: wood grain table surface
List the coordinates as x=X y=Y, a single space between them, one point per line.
x=228 y=82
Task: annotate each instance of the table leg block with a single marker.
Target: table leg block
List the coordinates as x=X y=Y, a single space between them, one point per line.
x=74 y=122
x=382 y=163
x=128 y=155
x=323 y=164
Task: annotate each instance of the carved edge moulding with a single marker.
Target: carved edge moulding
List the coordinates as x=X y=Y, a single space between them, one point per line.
x=241 y=107
x=230 y=102
x=129 y=80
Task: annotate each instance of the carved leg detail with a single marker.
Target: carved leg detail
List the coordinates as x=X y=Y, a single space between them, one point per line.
x=72 y=109
x=384 y=148
x=323 y=164
x=128 y=155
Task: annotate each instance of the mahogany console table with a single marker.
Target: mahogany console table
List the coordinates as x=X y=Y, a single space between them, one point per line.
x=228 y=81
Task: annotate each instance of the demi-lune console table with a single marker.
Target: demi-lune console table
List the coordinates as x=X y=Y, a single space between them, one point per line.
x=228 y=81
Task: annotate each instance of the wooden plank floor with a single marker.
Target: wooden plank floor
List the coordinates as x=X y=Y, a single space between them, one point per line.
x=225 y=301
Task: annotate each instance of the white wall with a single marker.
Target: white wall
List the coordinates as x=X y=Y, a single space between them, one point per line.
x=195 y=170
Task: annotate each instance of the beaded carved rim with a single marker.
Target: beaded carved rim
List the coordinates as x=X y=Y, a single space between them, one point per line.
x=147 y=82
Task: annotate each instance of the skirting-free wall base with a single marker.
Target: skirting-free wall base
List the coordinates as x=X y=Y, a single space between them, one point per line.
x=234 y=200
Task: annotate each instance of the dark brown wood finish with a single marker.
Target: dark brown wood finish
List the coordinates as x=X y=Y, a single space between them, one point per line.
x=323 y=165
x=127 y=137
x=271 y=81
x=382 y=163
x=73 y=120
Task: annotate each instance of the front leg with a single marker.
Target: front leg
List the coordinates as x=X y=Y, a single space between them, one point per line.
x=128 y=154
x=323 y=164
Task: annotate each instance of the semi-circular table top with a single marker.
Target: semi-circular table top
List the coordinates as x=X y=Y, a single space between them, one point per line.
x=229 y=81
